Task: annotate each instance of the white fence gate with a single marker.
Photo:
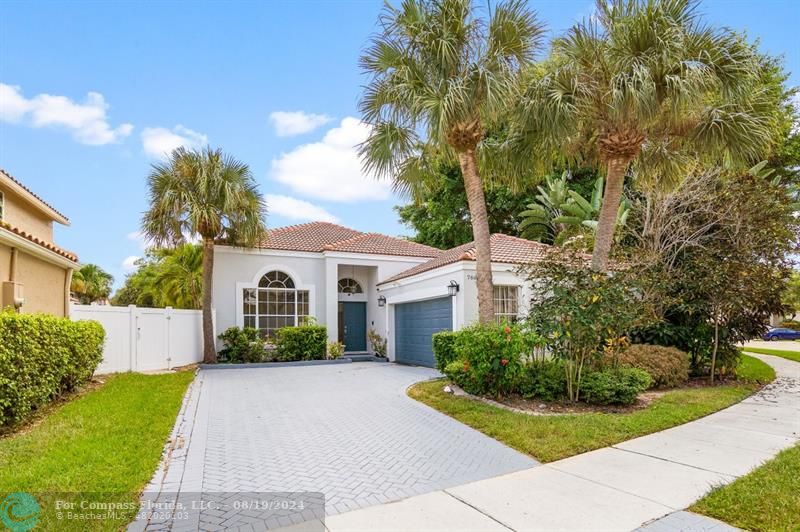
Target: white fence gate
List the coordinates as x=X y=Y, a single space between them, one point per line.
x=145 y=339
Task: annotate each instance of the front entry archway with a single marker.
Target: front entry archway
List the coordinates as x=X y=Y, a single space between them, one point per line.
x=353 y=325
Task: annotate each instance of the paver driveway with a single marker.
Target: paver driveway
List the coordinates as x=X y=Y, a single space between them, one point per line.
x=347 y=430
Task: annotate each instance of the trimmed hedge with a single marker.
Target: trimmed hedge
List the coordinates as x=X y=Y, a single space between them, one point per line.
x=305 y=342
x=668 y=366
x=443 y=348
x=242 y=346
x=616 y=386
x=42 y=357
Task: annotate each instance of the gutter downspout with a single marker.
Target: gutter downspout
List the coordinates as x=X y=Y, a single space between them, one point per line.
x=67 y=291
x=12 y=271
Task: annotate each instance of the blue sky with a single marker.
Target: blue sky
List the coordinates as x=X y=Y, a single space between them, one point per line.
x=92 y=92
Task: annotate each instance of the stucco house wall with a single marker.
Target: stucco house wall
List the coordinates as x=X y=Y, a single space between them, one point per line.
x=433 y=284
x=20 y=213
x=29 y=260
x=236 y=269
x=45 y=285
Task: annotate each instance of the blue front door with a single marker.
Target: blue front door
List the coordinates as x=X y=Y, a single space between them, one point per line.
x=353 y=326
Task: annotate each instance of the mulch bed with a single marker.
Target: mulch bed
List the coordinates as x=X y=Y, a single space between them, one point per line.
x=537 y=407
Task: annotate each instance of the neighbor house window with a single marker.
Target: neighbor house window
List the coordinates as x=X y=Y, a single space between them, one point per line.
x=349 y=286
x=274 y=304
x=2 y=205
x=506 y=304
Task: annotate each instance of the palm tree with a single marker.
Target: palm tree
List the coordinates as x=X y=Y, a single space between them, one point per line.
x=205 y=194
x=91 y=283
x=180 y=277
x=645 y=82
x=439 y=76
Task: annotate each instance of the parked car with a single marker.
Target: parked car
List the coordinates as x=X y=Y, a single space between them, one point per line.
x=781 y=333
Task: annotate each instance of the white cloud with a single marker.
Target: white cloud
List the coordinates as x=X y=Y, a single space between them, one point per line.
x=331 y=169
x=158 y=142
x=296 y=209
x=290 y=123
x=87 y=121
x=129 y=264
x=141 y=240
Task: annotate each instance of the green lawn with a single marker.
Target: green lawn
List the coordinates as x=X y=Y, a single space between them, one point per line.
x=791 y=355
x=108 y=441
x=766 y=499
x=549 y=438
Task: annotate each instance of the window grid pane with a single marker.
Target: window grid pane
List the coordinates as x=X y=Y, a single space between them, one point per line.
x=506 y=306
x=270 y=309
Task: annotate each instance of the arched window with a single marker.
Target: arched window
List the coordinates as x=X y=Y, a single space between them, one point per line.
x=276 y=303
x=349 y=286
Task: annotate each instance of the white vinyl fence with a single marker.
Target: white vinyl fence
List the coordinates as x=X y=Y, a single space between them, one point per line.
x=145 y=339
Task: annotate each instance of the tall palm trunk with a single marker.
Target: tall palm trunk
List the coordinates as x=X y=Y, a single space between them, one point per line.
x=209 y=351
x=607 y=222
x=480 y=233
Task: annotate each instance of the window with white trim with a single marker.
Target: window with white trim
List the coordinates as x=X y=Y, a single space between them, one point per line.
x=276 y=303
x=349 y=286
x=506 y=303
x=2 y=205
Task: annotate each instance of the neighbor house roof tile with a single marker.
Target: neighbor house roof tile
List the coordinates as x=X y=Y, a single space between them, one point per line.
x=32 y=193
x=325 y=236
x=36 y=240
x=504 y=248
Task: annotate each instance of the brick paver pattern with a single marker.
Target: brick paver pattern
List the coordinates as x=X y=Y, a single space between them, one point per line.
x=348 y=431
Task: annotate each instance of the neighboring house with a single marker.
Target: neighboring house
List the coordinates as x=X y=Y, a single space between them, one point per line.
x=351 y=282
x=35 y=274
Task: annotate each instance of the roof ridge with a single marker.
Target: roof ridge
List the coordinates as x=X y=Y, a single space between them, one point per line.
x=309 y=224
x=519 y=238
x=32 y=193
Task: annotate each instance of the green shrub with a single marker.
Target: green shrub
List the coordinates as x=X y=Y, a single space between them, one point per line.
x=668 y=366
x=492 y=357
x=305 y=342
x=378 y=343
x=543 y=379
x=443 y=348
x=41 y=357
x=242 y=346
x=614 y=386
x=335 y=350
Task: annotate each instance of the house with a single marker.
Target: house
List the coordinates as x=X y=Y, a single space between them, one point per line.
x=352 y=281
x=35 y=273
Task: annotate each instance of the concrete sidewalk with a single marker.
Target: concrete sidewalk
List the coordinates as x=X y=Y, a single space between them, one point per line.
x=616 y=488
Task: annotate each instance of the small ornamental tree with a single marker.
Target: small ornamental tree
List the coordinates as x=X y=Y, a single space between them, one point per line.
x=717 y=251
x=580 y=312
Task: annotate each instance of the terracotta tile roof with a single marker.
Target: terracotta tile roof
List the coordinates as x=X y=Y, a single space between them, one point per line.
x=375 y=243
x=32 y=193
x=505 y=249
x=36 y=240
x=325 y=236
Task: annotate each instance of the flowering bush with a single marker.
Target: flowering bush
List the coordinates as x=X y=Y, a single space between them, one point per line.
x=490 y=358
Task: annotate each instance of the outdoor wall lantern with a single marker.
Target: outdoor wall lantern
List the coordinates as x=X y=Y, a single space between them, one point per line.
x=381 y=301
x=452 y=288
